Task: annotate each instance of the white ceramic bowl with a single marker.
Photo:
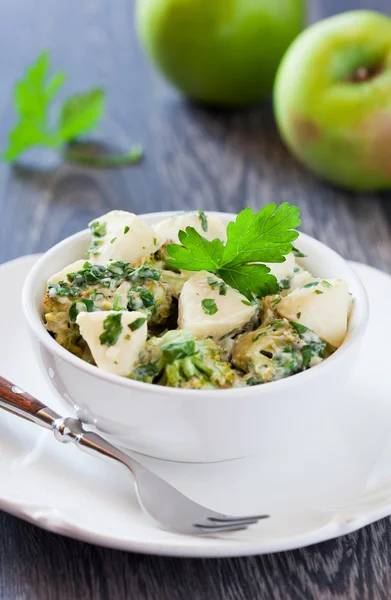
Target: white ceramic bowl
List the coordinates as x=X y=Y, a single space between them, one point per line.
x=191 y=425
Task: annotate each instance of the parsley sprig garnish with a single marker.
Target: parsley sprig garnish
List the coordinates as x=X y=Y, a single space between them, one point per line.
x=34 y=95
x=252 y=239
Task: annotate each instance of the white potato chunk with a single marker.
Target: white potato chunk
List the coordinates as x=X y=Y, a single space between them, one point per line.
x=300 y=277
x=126 y=238
x=283 y=270
x=233 y=309
x=61 y=275
x=121 y=356
x=321 y=305
x=168 y=229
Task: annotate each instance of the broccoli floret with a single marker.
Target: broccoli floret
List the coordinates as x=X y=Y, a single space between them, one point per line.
x=117 y=286
x=276 y=350
x=177 y=359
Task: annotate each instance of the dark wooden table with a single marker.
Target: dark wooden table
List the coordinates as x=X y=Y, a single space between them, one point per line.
x=194 y=158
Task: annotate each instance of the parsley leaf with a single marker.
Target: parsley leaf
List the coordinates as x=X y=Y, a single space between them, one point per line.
x=312 y=347
x=250 y=279
x=98 y=229
x=137 y=323
x=254 y=381
x=33 y=95
x=218 y=285
x=196 y=253
x=209 y=306
x=78 y=115
x=74 y=311
x=178 y=350
x=204 y=220
x=298 y=253
x=81 y=113
x=260 y=237
x=112 y=329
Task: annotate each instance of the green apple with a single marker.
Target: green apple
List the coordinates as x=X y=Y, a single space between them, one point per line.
x=222 y=52
x=332 y=99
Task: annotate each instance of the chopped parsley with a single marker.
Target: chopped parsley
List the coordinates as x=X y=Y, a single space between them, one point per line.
x=178 y=350
x=98 y=229
x=300 y=329
x=217 y=285
x=117 y=303
x=298 y=315
x=142 y=372
x=147 y=297
x=108 y=276
x=94 y=247
x=285 y=284
x=74 y=311
x=312 y=347
x=309 y=285
x=253 y=381
x=144 y=272
x=298 y=253
x=204 y=220
x=247 y=303
x=127 y=228
x=113 y=240
x=326 y=284
x=112 y=329
x=318 y=292
x=137 y=323
x=209 y=306
x=62 y=289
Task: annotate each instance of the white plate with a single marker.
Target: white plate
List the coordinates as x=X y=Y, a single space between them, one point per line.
x=310 y=497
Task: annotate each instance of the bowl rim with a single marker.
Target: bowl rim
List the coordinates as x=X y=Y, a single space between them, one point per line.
x=34 y=320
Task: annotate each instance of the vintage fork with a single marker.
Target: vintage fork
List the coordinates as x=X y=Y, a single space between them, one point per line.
x=160 y=500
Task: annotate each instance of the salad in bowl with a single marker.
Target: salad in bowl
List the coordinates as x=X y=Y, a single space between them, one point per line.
x=190 y=302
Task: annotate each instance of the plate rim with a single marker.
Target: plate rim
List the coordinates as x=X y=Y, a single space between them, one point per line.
x=228 y=547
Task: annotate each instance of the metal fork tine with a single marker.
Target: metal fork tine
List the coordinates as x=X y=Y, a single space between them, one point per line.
x=232 y=523
x=224 y=526
x=217 y=530
x=229 y=519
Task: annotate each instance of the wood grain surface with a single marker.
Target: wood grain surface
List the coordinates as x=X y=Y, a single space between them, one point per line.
x=208 y=159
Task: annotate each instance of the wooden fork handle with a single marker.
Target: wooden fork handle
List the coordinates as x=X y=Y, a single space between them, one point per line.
x=11 y=396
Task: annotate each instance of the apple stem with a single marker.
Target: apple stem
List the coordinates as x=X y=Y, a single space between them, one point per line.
x=365 y=73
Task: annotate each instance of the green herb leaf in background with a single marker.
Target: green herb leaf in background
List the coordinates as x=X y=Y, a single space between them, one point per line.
x=34 y=95
x=81 y=113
